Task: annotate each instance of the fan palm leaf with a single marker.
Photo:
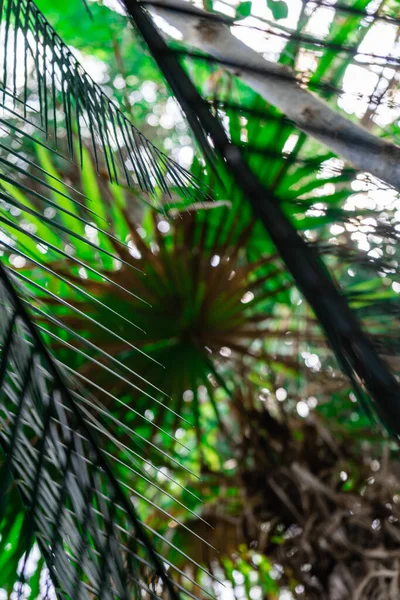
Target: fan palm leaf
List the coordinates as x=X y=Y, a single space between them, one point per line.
x=355 y=352
x=194 y=269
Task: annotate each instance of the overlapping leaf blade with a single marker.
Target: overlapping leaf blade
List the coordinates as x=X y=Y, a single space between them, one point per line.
x=88 y=532
x=48 y=97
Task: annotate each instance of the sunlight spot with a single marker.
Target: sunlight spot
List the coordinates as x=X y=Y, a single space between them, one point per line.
x=153 y=120
x=202 y=392
x=133 y=251
x=97 y=69
x=357 y=78
x=212 y=380
x=303 y=409
x=167 y=121
x=255 y=593
x=154 y=248
x=285 y=595
x=17 y=261
x=238 y=576
x=135 y=96
x=149 y=414
x=162 y=474
x=312 y=402
x=119 y=82
x=224 y=8
x=185 y=156
x=248 y=297
x=396 y=287
x=30 y=563
x=230 y=464
x=23 y=592
x=337 y=229
x=315 y=211
x=188 y=396
x=312 y=361
x=215 y=260
x=375 y=253
x=180 y=433
x=163 y=226
x=290 y=143
x=50 y=212
x=15 y=211
x=306 y=61
x=281 y=394
x=149 y=91
x=274 y=573
x=42 y=248
x=376 y=524
x=225 y=351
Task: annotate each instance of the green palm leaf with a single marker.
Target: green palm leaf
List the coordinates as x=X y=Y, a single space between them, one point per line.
x=68 y=101
x=57 y=439
x=85 y=527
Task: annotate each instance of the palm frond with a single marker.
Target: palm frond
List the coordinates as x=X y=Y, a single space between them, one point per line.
x=123 y=444
x=354 y=350
x=87 y=530
x=45 y=90
x=58 y=440
x=280 y=486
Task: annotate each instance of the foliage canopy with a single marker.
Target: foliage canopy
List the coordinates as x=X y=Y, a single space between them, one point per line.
x=167 y=392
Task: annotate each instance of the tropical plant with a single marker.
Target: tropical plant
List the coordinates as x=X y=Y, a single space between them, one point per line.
x=71 y=505
x=227 y=343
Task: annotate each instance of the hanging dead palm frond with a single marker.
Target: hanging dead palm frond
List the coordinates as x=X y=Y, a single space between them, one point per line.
x=301 y=506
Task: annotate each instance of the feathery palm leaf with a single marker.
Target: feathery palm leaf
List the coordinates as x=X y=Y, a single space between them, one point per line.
x=45 y=88
x=57 y=439
x=86 y=529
